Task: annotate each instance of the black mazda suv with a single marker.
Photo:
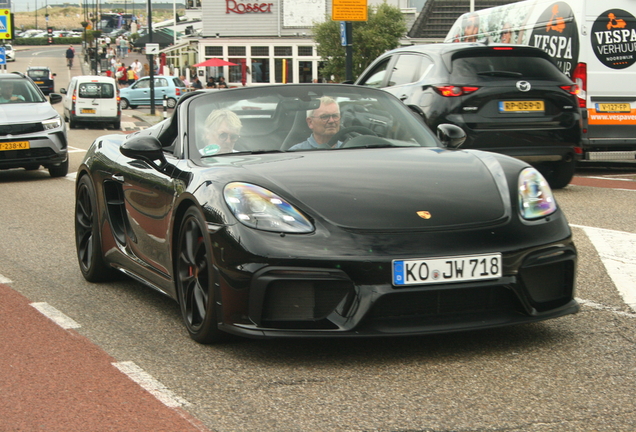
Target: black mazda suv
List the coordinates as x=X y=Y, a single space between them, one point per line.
x=509 y=99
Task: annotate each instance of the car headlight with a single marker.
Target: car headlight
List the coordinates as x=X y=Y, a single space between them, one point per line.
x=535 y=196
x=53 y=123
x=262 y=209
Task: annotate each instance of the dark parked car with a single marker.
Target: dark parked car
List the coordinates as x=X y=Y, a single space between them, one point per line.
x=381 y=231
x=43 y=77
x=509 y=99
x=32 y=133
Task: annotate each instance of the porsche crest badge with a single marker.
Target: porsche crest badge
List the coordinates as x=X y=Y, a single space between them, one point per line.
x=424 y=214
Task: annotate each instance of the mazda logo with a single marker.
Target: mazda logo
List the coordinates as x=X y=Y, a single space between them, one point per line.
x=523 y=86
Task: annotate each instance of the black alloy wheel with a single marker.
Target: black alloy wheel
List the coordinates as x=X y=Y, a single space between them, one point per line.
x=195 y=279
x=87 y=235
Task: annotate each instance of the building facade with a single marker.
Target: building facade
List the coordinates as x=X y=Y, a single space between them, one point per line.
x=270 y=41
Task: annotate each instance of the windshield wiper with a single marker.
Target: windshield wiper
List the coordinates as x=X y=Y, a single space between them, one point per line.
x=259 y=151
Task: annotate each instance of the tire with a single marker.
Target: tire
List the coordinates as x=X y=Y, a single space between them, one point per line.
x=559 y=174
x=124 y=104
x=195 y=279
x=72 y=124
x=171 y=103
x=59 y=171
x=117 y=125
x=87 y=235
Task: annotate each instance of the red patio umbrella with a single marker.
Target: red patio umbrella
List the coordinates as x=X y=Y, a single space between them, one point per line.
x=215 y=62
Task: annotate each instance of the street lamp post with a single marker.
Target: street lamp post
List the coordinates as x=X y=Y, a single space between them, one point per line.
x=151 y=60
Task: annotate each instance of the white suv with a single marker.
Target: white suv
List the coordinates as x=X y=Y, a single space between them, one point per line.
x=9 y=52
x=32 y=133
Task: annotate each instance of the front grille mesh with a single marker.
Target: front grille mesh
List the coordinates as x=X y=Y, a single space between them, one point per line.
x=26 y=154
x=20 y=128
x=444 y=303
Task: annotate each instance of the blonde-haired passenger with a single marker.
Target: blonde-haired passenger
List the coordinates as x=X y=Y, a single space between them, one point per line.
x=222 y=130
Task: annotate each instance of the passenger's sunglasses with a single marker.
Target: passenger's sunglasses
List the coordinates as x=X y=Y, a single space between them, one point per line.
x=224 y=136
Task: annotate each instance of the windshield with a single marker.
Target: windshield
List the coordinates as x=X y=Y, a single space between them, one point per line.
x=38 y=73
x=302 y=118
x=19 y=91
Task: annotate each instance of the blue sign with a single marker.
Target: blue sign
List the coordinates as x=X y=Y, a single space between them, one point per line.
x=343 y=33
x=3 y=56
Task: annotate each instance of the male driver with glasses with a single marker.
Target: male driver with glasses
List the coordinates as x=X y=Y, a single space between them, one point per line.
x=324 y=123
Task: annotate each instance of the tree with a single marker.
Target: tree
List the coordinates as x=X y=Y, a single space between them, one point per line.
x=382 y=32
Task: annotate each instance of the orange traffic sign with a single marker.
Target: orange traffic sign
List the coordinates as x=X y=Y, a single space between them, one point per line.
x=349 y=10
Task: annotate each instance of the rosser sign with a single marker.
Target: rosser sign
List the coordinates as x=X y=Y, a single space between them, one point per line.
x=232 y=6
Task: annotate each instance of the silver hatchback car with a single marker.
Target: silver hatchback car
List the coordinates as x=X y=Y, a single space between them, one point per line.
x=32 y=133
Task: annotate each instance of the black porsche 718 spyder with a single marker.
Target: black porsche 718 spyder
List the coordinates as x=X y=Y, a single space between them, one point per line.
x=385 y=230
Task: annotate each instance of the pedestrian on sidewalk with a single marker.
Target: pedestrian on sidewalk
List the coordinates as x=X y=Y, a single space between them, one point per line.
x=122 y=75
x=70 y=54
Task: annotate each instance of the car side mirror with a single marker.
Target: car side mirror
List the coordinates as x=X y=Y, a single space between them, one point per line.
x=451 y=136
x=55 y=98
x=146 y=148
x=63 y=90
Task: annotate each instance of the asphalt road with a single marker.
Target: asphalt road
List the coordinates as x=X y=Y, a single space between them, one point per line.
x=575 y=373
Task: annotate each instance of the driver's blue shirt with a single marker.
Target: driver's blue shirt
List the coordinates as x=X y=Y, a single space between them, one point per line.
x=310 y=144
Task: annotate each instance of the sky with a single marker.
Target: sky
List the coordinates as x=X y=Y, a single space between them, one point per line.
x=29 y=5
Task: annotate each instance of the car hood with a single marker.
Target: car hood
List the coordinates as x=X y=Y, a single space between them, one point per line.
x=405 y=188
x=26 y=112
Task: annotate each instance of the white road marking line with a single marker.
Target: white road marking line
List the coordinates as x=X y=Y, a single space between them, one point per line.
x=614 y=188
x=71 y=176
x=150 y=384
x=56 y=316
x=76 y=150
x=616 y=250
x=608 y=178
x=5 y=280
x=602 y=307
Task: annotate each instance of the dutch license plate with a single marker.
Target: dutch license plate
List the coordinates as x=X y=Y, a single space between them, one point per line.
x=16 y=145
x=87 y=111
x=521 y=106
x=613 y=107
x=39 y=82
x=446 y=269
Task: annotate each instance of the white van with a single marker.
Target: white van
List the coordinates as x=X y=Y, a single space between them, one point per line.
x=593 y=42
x=92 y=98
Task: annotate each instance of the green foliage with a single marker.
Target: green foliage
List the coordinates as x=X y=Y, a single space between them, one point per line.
x=382 y=32
x=45 y=41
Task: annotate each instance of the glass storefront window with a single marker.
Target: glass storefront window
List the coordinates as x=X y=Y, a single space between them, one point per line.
x=235 y=73
x=283 y=51
x=284 y=68
x=214 y=51
x=260 y=70
x=260 y=51
x=236 y=51
x=304 y=71
x=305 y=51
